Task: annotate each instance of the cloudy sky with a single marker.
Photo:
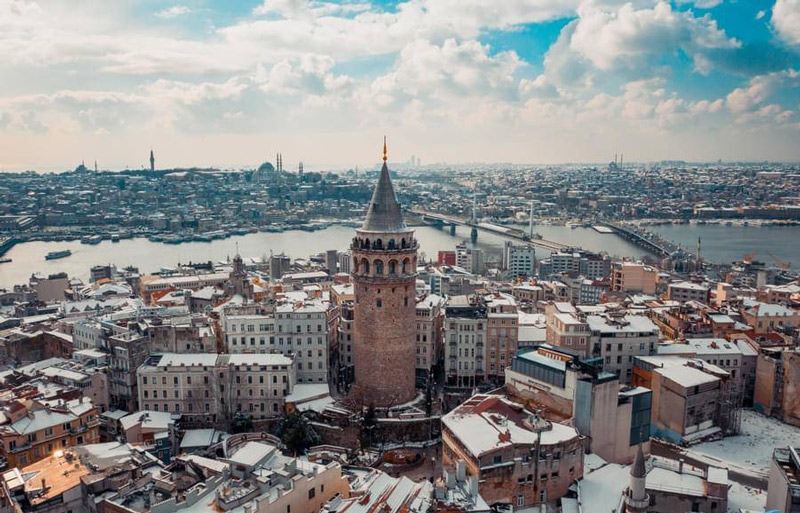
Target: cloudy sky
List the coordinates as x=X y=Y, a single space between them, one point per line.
x=533 y=81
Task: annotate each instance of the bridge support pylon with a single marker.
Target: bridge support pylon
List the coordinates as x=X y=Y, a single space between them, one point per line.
x=452 y=229
x=473 y=234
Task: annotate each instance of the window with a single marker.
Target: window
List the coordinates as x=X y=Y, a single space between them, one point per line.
x=520 y=500
x=311 y=493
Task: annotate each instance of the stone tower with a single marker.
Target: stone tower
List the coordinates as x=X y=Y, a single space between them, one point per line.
x=636 y=499
x=384 y=271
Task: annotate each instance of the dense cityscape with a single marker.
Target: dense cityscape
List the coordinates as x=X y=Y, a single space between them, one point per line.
x=550 y=377
x=400 y=256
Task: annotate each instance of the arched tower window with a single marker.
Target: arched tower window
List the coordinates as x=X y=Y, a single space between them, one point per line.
x=378 y=267
x=378 y=244
x=390 y=244
x=392 y=267
x=355 y=265
x=365 y=266
x=403 y=243
x=405 y=266
x=366 y=244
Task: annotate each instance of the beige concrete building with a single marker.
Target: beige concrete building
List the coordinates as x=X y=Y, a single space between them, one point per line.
x=206 y=388
x=502 y=334
x=778 y=384
x=687 y=291
x=567 y=330
x=465 y=340
x=633 y=277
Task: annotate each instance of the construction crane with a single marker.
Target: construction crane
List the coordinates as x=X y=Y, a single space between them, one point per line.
x=748 y=258
x=783 y=265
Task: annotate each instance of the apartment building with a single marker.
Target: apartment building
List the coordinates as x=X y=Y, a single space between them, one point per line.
x=37 y=430
x=527 y=461
x=502 y=334
x=783 y=490
x=430 y=332
x=567 y=330
x=617 y=339
x=687 y=291
x=633 y=277
x=206 y=388
x=466 y=326
x=692 y=399
x=248 y=333
x=302 y=330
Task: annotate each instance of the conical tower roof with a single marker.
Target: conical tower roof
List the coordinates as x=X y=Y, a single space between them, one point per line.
x=638 y=469
x=384 y=213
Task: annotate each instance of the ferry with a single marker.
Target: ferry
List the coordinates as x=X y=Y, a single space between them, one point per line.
x=93 y=239
x=114 y=237
x=55 y=255
x=5 y=260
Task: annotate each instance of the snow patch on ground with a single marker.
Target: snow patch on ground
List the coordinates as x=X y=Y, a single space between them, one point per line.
x=741 y=497
x=753 y=448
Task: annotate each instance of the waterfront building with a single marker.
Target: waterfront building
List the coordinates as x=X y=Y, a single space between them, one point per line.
x=384 y=276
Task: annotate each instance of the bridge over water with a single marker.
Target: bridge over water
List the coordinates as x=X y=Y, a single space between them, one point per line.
x=437 y=219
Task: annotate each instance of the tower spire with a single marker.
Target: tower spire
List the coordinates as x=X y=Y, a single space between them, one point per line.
x=385 y=158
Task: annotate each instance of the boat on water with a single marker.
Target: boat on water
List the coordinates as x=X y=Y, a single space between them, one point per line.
x=5 y=260
x=93 y=239
x=55 y=255
x=115 y=237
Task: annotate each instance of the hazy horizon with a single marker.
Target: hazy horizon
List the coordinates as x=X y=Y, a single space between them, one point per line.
x=207 y=83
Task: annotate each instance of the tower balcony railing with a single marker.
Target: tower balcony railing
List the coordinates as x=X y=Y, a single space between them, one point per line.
x=356 y=245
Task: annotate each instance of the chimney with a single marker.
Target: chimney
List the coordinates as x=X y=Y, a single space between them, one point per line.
x=449 y=479
x=461 y=471
x=473 y=486
x=680 y=466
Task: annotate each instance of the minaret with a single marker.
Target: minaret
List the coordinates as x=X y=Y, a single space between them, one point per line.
x=384 y=273
x=699 y=258
x=530 y=222
x=95 y=166
x=152 y=160
x=636 y=498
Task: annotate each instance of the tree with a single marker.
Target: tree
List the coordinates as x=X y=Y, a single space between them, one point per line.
x=296 y=433
x=368 y=426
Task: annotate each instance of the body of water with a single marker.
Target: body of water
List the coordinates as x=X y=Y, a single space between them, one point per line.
x=720 y=243
x=725 y=244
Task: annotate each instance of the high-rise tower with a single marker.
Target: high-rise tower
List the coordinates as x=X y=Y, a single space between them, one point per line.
x=152 y=161
x=384 y=271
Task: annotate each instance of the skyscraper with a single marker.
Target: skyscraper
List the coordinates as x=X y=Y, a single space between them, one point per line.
x=152 y=161
x=384 y=256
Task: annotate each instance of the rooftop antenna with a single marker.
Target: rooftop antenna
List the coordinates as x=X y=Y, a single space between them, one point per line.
x=385 y=158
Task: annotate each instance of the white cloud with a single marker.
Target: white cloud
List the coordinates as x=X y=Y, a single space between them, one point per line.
x=786 y=19
x=760 y=88
x=628 y=36
x=702 y=4
x=173 y=12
